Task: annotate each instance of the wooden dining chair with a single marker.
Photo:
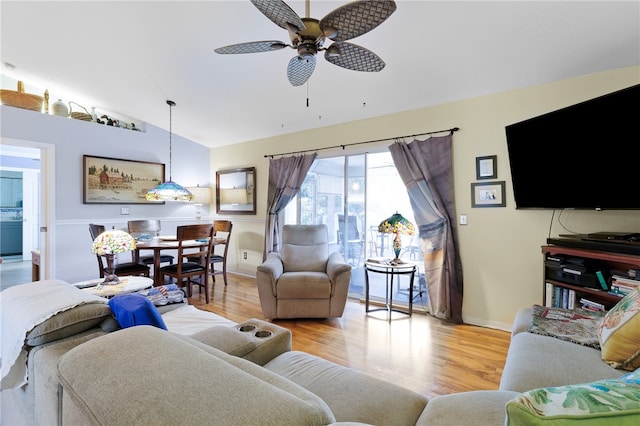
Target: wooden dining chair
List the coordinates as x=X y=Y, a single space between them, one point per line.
x=192 y=264
x=152 y=228
x=121 y=268
x=222 y=228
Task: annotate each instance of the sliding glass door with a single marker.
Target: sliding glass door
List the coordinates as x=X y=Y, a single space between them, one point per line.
x=352 y=195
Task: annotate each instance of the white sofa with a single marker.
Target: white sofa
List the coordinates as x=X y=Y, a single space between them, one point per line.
x=246 y=373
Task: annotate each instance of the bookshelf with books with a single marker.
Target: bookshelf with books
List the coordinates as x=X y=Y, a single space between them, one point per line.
x=591 y=279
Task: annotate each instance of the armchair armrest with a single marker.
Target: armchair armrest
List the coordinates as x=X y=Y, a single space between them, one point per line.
x=336 y=266
x=267 y=276
x=272 y=266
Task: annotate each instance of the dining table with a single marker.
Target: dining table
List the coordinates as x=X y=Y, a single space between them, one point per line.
x=166 y=242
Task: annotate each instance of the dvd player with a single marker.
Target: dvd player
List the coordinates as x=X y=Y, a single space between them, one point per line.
x=615 y=236
x=583 y=242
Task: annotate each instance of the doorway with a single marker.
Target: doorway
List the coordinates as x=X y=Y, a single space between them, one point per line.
x=23 y=211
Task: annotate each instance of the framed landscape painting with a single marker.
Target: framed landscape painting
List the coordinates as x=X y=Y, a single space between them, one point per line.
x=118 y=181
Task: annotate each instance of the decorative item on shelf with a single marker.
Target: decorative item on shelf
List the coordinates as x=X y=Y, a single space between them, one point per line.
x=20 y=99
x=59 y=108
x=46 y=102
x=108 y=244
x=396 y=224
x=84 y=116
x=201 y=195
x=169 y=191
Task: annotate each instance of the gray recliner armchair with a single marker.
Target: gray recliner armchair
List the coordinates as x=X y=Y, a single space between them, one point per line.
x=304 y=280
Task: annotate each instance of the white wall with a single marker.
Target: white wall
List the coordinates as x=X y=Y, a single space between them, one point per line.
x=73 y=260
x=500 y=248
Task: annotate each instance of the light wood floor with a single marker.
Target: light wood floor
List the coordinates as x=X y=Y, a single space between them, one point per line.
x=419 y=352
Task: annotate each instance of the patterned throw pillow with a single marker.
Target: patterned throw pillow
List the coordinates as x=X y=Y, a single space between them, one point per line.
x=619 y=333
x=615 y=402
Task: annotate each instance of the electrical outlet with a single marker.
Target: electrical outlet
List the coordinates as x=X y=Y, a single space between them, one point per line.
x=124 y=210
x=463 y=219
x=244 y=255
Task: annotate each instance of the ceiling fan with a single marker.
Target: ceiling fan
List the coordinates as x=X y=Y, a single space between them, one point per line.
x=308 y=36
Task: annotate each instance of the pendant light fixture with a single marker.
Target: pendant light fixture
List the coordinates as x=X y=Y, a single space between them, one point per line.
x=169 y=191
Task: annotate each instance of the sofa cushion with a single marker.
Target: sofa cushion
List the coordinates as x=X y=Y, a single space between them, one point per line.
x=605 y=402
x=533 y=362
x=67 y=323
x=471 y=408
x=254 y=340
x=145 y=383
x=351 y=395
x=305 y=248
x=619 y=333
x=43 y=374
x=304 y=285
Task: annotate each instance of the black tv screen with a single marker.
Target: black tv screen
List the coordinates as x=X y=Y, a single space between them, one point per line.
x=584 y=156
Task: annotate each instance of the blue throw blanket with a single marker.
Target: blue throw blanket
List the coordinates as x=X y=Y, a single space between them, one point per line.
x=135 y=309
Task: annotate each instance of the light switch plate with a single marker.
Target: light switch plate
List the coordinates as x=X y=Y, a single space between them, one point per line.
x=463 y=219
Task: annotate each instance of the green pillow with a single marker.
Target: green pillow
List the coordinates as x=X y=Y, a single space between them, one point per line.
x=605 y=402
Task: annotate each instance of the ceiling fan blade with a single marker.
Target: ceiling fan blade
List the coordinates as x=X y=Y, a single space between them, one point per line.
x=280 y=13
x=300 y=69
x=251 y=47
x=356 y=18
x=353 y=57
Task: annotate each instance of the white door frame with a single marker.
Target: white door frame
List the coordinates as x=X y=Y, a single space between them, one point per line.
x=47 y=203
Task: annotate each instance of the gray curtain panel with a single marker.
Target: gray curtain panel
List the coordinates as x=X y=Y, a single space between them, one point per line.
x=285 y=178
x=426 y=169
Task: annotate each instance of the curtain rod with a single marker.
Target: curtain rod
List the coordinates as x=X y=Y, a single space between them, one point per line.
x=453 y=129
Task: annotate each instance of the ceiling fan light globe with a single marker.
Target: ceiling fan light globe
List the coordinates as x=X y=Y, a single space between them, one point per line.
x=333 y=51
x=278 y=46
x=307 y=50
x=329 y=32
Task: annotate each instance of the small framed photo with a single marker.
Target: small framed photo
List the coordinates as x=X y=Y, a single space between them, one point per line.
x=487 y=167
x=488 y=194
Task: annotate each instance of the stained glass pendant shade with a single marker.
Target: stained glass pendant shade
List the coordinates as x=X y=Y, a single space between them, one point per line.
x=169 y=191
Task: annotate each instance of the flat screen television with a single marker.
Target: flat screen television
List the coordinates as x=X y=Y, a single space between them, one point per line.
x=584 y=156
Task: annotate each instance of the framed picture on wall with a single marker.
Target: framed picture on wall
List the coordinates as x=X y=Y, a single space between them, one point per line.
x=488 y=194
x=236 y=191
x=487 y=167
x=108 y=180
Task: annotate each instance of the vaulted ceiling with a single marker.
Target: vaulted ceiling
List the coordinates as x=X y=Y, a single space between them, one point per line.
x=131 y=56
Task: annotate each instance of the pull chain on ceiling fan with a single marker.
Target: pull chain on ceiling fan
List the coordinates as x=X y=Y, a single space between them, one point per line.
x=308 y=35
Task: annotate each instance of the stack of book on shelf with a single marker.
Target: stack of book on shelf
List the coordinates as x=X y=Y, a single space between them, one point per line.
x=621 y=285
x=590 y=305
x=559 y=297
